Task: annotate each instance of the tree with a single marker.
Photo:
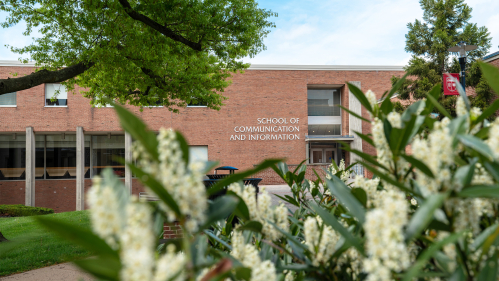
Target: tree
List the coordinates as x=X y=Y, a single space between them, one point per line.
x=445 y=23
x=141 y=52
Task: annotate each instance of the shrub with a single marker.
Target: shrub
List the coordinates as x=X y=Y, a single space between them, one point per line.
x=23 y=211
x=426 y=216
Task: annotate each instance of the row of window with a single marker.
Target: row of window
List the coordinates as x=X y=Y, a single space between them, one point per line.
x=57 y=95
x=55 y=156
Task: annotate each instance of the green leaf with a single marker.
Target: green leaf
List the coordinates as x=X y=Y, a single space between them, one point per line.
x=493 y=169
x=102 y=268
x=476 y=144
x=480 y=239
x=360 y=96
x=221 y=184
x=366 y=157
x=330 y=220
x=354 y=114
x=491 y=74
x=344 y=195
x=480 y=191
x=137 y=129
x=156 y=187
x=489 y=271
x=438 y=105
x=254 y=226
x=366 y=138
x=391 y=181
x=213 y=236
x=428 y=253
x=289 y=199
x=361 y=195
x=184 y=146
x=464 y=174
x=78 y=235
x=492 y=109
x=412 y=110
x=397 y=86
x=418 y=164
x=241 y=210
x=290 y=238
x=221 y=208
x=423 y=216
x=489 y=241
x=435 y=92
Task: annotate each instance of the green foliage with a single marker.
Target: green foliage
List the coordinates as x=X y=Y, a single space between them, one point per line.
x=32 y=246
x=144 y=53
x=424 y=215
x=23 y=211
x=445 y=23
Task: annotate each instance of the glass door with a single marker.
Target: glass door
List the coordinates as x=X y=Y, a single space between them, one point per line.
x=316 y=155
x=329 y=155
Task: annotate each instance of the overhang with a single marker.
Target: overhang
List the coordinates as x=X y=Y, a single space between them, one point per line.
x=329 y=138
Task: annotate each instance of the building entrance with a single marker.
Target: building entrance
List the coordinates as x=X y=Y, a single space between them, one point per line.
x=323 y=155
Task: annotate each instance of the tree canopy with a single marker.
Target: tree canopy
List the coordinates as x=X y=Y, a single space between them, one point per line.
x=445 y=23
x=171 y=52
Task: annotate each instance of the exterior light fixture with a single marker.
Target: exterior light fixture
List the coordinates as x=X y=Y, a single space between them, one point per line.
x=462 y=48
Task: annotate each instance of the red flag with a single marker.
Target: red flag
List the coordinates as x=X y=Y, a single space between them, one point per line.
x=450 y=80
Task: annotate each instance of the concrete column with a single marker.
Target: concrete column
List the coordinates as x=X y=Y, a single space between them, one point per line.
x=30 y=167
x=128 y=158
x=355 y=124
x=307 y=151
x=80 y=169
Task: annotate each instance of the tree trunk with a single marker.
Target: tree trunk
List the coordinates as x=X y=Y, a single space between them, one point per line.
x=2 y=238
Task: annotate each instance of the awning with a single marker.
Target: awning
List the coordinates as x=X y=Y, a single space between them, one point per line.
x=328 y=138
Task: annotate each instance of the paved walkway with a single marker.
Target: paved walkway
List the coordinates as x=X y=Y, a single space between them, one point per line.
x=58 y=272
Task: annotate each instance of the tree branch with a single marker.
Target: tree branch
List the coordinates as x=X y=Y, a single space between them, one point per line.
x=158 y=27
x=10 y=85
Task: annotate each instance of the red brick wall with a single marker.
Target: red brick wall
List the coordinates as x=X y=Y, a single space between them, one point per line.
x=172 y=230
x=59 y=195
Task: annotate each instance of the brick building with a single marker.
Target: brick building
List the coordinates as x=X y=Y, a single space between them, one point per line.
x=50 y=150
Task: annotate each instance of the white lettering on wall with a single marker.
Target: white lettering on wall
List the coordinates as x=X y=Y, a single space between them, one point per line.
x=280 y=129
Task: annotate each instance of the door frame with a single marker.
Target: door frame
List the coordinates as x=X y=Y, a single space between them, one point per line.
x=312 y=154
x=335 y=150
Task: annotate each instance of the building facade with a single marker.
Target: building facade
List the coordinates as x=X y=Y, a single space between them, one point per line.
x=51 y=147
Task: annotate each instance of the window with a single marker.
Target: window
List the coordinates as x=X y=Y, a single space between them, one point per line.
x=7 y=100
x=198 y=153
x=197 y=102
x=324 y=130
x=12 y=157
x=58 y=91
x=105 y=149
x=323 y=102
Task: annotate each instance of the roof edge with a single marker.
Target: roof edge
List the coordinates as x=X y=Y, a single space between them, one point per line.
x=327 y=67
x=15 y=63
x=491 y=57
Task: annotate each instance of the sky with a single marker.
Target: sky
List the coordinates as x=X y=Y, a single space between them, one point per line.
x=330 y=32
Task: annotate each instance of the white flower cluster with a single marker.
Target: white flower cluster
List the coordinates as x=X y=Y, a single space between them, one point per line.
x=183 y=183
x=322 y=246
x=137 y=241
x=344 y=175
x=437 y=153
x=385 y=240
x=395 y=119
x=248 y=255
x=371 y=98
x=493 y=140
x=370 y=186
x=105 y=213
x=383 y=151
x=262 y=211
x=171 y=264
x=461 y=107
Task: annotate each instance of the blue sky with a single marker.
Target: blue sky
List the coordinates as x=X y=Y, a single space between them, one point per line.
x=330 y=32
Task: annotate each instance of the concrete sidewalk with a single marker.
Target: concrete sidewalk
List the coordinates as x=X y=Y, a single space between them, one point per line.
x=58 y=272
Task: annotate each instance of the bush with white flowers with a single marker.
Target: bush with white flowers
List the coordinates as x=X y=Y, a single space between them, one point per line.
x=429 y=215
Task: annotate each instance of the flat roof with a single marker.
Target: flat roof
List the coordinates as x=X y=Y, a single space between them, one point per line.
x=275 y=66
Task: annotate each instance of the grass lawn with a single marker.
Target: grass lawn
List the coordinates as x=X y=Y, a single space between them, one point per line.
x=34 y=246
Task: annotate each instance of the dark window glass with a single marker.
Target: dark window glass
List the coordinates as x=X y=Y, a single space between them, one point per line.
x=60 y=158
x=324 y=130
x=104 y=153
x=323 y=102
x=196 y=102
x=39 y=156
x=12 y=157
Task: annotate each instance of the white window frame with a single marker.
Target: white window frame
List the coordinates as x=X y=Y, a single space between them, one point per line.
x=10 y=104
x=45 y=94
